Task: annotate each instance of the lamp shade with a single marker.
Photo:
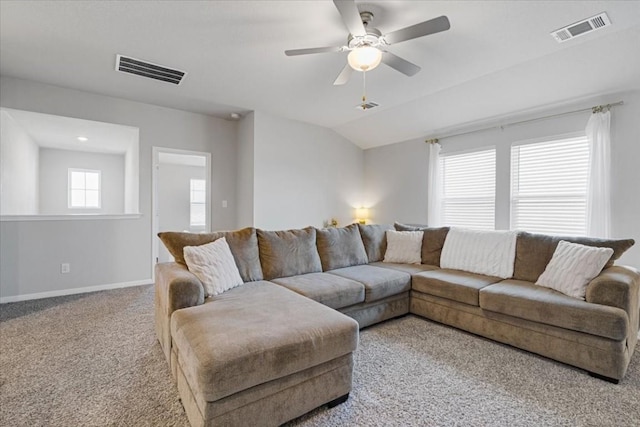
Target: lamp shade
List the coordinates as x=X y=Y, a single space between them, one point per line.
x=362 y=215
x=364 y=58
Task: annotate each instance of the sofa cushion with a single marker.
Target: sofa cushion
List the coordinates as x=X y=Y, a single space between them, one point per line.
x=480 y=251
x=213 y=264
x=288 y=252
x=534 y=251
x=403 y=247
x=243 y=244
x=525 y=300
x=455 y=285
x=432 y=241
x=374 y=238
x=340 y=247
x=378 y=282
x=256 y=333
x=407 y=268
x=328 y=289
x=572 y=267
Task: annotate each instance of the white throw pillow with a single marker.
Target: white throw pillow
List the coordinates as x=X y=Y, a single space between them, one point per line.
x=214 y=265
x=489 y=252
x=404 y=247
x=572 y=267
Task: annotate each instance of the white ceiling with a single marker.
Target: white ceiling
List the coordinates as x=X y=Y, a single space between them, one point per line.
x=498 y=58
x=49 y=131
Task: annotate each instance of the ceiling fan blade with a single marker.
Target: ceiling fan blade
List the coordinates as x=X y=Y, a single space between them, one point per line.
x=294 y=52
x=399 y=64
x=351 y=17
x=425 y=28
x=344 y=75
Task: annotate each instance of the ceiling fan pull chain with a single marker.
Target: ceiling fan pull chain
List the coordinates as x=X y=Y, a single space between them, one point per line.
x=364 y=90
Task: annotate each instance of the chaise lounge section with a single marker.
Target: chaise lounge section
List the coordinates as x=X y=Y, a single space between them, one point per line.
x=281 y=344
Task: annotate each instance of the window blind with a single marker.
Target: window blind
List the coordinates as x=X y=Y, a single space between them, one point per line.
x=549 y=186
x=469 y=189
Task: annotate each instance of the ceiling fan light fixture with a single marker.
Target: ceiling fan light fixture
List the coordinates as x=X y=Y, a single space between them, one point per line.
x=364 y=58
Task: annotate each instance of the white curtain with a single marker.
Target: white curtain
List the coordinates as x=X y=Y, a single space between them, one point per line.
x=434 y=188
x=599 y=189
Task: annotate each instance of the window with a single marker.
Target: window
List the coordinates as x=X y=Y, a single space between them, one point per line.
x=198 y=203
x=84 y=189
x=549 y=186
x=469 y=189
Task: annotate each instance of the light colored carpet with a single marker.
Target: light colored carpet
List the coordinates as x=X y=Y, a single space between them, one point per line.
x=93 y=360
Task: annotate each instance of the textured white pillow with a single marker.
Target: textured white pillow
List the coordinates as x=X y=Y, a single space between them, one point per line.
x=214 y=265
x=404 y=246
x=572 y=267
x=489 y=252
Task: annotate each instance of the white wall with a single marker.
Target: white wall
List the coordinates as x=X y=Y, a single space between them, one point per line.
x=19 y=160
x=54 y=179
x=303 y=174
x=244 y=173
x=103 y=252
x=394 y=178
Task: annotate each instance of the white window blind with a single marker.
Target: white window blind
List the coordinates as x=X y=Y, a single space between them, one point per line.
x=198 y=201
x=549 y=186
x=469 y=189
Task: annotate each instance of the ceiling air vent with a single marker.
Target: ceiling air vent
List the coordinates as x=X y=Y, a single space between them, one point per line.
x=149 y=70
x=366 y=106
x=579 y=28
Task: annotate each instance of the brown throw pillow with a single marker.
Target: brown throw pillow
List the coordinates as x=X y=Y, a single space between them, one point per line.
x=243 y=244
x=534 y=251
x=432 y=241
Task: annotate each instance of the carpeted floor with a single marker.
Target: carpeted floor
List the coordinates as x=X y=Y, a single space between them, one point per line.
x=93 y=360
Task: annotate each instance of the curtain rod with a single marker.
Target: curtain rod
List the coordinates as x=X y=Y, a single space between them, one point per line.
x=595 y=109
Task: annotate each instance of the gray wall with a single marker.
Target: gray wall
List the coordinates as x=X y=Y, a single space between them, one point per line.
x=19 y=159
x=54 y=167
x=396 y=175
x=303 y=174
x=244 y=173
x=108 y=251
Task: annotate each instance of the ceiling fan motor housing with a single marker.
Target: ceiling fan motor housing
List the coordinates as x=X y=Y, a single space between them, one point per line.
x=372 y=38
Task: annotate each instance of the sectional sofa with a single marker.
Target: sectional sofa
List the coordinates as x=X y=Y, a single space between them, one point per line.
x=281 y=344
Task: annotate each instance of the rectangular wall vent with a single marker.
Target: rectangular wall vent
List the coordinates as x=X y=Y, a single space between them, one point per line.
x=147 y=69
x=582 y=27
x=367 y=106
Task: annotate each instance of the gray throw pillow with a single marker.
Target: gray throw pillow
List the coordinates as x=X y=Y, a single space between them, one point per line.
x=288 y=252
x=340 y=247
x=374 y=239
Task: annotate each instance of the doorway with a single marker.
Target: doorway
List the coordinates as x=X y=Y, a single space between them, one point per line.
x=181 y=195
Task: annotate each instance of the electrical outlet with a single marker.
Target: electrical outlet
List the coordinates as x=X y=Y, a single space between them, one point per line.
x=65 y=268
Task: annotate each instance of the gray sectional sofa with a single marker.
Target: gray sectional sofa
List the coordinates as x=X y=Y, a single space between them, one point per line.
x=281 y=344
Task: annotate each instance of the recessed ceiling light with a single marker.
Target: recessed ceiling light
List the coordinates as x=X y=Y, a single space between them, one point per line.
x=83 y=138
x=235 y=116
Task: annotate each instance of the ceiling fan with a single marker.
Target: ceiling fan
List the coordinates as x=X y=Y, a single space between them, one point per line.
x=367 y=45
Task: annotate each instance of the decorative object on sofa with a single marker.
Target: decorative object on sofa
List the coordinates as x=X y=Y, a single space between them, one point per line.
x=404 y=247
x=213 y=264
x=572 y=267
x=477 y=251
x=367 y=45
x=362 y=215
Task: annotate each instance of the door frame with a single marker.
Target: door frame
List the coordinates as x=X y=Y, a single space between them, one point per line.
x=155 y=164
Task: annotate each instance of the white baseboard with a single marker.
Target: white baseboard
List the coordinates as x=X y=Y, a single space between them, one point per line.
x=74 y=291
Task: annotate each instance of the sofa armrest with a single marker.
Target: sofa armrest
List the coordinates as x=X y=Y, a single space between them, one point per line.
x=617 y=286
x=177 y=287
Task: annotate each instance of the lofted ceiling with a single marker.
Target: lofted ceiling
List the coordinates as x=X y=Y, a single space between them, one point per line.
x=497 y=59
